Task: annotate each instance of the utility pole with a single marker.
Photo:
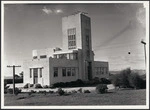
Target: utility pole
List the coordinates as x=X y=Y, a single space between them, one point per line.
x=13 y=66
x=144 y=50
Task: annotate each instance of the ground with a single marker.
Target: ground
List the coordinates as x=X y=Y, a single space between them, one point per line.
x=119 y=97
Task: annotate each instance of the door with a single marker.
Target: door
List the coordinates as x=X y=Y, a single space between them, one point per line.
x=89 y=71
x=35 y=75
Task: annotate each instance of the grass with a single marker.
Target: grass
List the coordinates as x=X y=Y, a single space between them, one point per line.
x=121 y=97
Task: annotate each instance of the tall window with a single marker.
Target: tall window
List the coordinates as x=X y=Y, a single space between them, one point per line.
x=55 y=72
x=40 y=72
x=30 y=73
x=73 y=71
x=63 y=71
x=72 y=38
x=35 y=72
x=68 y=72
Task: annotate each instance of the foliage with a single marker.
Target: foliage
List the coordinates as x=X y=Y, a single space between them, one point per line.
x=76 y=83
x=105 y=81
x=45 y=86
x=26 y=85
x=60 y=91
x=87 y=91
x=128 y=79
x=80 y=90
x=51 y=92
x=101 y=88
x=17 y=91
x=37 y=86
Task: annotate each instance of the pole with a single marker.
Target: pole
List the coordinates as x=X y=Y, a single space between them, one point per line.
x=13 y=76
x=13 y=79
x=144 y=51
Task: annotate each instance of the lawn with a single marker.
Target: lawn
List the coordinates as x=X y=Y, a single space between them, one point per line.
x=120 y=97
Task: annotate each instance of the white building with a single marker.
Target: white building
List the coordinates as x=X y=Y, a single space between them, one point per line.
x=75 y=60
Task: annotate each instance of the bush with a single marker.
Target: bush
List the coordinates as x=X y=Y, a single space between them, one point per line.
x=32 y=91
x=26 y=85
x=51 y=92
x=105 y=81
x=37 y=86
x=128 y=79
x=45 y=86
x=73 y=91
x=17 y=91
x=96 y=80
x=87 y=91
x=101 y=88
x=80 y=90
x=60 y=92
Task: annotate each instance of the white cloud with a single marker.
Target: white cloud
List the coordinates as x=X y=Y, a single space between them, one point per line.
x=58 y=11
x=47 y=10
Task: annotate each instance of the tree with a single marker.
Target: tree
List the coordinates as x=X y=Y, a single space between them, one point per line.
x=21 y=74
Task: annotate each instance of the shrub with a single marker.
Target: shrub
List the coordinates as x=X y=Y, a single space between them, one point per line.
x=17 y=91
x=31 y=85
x=60 y=91
x=128 y=79
x=51 y=92
x=73 y=91
x=26 y=85
x=105 y=81
x=37 y=86
x=32 y=91
x=87 y=91
x=101 y=88
x=45 y=86
x=80 y=90
x=96 y=80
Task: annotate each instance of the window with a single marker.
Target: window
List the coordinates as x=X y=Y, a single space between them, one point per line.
x=72 y=38
x=68 y=72
x=40 y=72
x=102 y=70
x=63 y=71
x=73 y=71
x=55 y=71
x=43 y=56
x=71 y=56
x=34 y=57
x=30 y=73
x=35 y=72
x=96 y=71
x=55 y=56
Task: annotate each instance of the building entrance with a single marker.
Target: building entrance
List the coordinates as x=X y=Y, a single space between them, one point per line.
x=35 y=75
x=89 y=68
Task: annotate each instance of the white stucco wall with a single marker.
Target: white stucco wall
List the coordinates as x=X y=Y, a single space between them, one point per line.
x=44 y=80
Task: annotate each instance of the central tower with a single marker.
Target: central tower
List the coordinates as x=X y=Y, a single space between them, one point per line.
x=76 y=31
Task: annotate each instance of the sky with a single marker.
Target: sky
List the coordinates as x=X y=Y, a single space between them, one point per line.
x=116 y=30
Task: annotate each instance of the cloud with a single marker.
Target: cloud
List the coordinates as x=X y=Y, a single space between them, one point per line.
x=47 y=10
x=58 y=11
x=50 y=11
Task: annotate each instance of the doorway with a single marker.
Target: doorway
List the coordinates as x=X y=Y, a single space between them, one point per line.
x=35 y=75
x=89 y=68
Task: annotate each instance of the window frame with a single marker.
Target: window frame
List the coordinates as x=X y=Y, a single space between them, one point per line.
x=55 y=69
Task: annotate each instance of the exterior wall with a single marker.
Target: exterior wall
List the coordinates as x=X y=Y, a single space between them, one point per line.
x=98 y=64
x=60 y=63
x=68 y=22
x=44 y=80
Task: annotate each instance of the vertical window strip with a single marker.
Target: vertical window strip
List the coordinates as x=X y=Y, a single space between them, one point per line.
x=40 y=72
x=30 y=73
